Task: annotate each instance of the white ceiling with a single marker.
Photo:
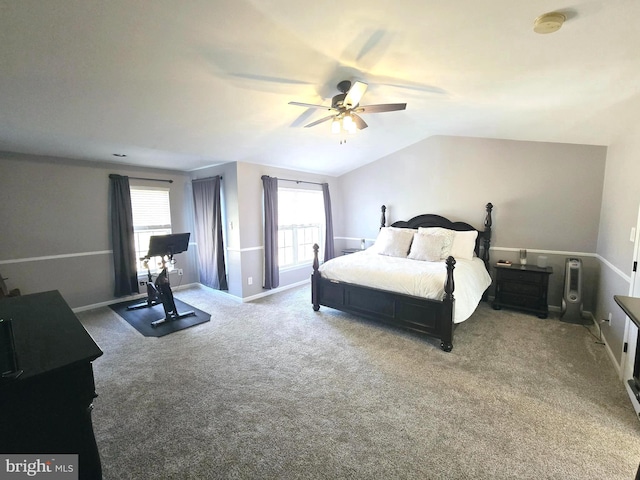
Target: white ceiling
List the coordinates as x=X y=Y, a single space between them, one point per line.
x=187 y=84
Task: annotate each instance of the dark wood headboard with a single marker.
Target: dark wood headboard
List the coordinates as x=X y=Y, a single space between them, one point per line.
x=483 y=242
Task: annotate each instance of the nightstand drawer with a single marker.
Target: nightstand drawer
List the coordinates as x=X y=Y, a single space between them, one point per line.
x=518 y=275
x=530 y=289
x=520 y=301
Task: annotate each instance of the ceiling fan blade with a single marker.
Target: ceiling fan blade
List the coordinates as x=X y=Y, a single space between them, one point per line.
x=386 y=107
x=408 y=85
x=354 y=95
x=360 y=123
x=267 y=78
x=311 y=105
x=312 y=124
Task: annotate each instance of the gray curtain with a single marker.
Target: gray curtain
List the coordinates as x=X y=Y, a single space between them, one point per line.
x=208 y=216
x=271 y=272
x=124 y=250
x=328 y=220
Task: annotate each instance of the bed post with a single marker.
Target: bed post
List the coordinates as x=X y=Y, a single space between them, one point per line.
x=448 y=306
x=486 y=239
x=383 y=218
x=315 y=279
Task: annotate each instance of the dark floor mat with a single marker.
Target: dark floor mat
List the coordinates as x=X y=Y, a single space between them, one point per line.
x=141 y=319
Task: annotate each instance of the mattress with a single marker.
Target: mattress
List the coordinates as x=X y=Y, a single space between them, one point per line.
x=412 y=277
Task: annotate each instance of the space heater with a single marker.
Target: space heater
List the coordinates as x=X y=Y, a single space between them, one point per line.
x=572 y=298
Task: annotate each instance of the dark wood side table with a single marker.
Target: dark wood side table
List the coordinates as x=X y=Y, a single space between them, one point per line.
x=47 y=409
x=523 y=287
x=631 y=307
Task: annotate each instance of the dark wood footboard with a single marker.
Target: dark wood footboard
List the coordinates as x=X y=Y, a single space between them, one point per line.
x=424 y=316
x=416 y=314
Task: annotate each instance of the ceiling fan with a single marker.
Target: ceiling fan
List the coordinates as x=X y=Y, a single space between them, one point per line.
x=345 y=108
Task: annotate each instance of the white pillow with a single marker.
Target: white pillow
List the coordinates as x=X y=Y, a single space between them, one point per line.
x=394 y=242
x=447 y=240
x=464 y=244
x=427 y=247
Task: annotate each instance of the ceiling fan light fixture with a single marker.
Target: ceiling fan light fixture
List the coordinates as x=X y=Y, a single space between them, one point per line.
x=548 y=22
x=348 y=124
x=335 y=126
x=345 y=108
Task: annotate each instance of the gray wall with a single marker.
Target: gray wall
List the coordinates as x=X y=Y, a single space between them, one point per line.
x=231 y=220
x=546 y=197
x=245 y=247
x=55 y=220
x=619 y=214
x=55 y=225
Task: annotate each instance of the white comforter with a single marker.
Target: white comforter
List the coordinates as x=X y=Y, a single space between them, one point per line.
x=412 y=277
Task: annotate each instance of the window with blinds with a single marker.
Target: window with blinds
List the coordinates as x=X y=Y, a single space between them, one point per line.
x=300 y=224
x=151 y=216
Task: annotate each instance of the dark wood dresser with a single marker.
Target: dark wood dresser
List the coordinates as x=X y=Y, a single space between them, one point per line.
x=631 y=307
x=523 y=287
x=47 y=409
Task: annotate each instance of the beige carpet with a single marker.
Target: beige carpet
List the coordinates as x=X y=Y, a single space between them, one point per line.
x=271 y=389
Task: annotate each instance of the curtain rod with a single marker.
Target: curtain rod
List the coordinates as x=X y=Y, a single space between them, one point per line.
x=205 y=178
x=140 y=178
x=299 y=181
x=152 y=179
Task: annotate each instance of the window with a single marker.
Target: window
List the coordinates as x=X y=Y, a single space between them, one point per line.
x=300 y=225
x=151 y=216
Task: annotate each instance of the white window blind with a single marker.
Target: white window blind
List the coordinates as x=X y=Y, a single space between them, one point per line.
x=150 y=209
x=301 y=223
x=151 y=216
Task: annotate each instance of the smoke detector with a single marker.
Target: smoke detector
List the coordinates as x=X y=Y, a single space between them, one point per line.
x=549 y=22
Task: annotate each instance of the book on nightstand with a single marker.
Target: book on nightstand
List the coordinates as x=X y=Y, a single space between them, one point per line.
x=503 y=263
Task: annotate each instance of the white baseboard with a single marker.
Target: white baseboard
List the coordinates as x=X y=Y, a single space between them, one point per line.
x=190 y=285
x=84 y=308
x=612 y=357
x=276 y=290
x=251 y=298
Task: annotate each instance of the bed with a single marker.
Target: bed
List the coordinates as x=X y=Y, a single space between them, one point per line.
x=406 y=279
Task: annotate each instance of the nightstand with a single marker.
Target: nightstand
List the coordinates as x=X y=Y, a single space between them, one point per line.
x=523 y=287
x=347 y=251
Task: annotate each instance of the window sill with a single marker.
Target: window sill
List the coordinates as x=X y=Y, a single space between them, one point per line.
x=298 y=266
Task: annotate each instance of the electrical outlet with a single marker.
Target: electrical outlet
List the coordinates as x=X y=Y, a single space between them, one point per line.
x=249 y=280
x=606 y=320
x=180 y=271
x=142 y=283
x=632 y=237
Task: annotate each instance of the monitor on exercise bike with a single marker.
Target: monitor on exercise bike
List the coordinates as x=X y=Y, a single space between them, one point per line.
x=161 y=245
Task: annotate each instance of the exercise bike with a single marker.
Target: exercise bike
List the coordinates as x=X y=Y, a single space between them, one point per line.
x=159 y=292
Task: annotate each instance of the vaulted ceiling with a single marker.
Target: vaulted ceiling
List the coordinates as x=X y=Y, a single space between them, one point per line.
x=188 y=84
